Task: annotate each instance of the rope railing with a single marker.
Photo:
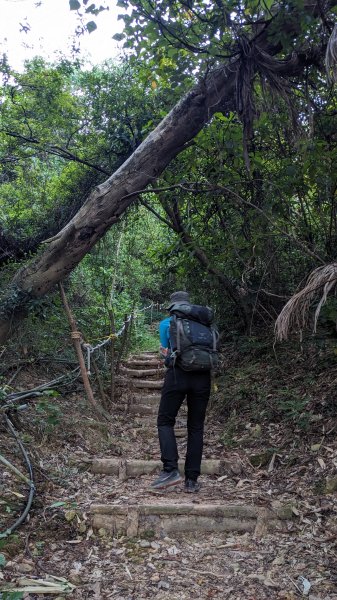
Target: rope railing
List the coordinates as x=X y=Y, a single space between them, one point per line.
x=89 y=349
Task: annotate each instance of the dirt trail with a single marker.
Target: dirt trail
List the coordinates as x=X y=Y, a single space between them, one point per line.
x=111 y=537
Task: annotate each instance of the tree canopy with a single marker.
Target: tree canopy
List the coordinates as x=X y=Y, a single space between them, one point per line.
x=238 y=176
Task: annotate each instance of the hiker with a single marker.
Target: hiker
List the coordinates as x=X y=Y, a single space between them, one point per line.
x=188 y=345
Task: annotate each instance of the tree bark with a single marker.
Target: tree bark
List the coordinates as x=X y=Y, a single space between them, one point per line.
x=109 y=200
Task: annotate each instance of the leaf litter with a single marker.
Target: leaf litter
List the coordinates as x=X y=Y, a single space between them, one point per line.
x=298 y=559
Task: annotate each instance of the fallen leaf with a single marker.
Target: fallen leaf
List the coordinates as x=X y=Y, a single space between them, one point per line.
x=321 y=463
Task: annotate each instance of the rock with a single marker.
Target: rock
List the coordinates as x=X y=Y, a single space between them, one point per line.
x=25 y=567
x=155 y=545
x=74 y=576
x=236 y=468
x=331 y=485
x=144 y=544
x=262 y=459
x=280 y=559
x=173 y=550
x=284 y=511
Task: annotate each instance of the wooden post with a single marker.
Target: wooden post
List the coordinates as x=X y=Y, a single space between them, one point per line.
x=76 y=338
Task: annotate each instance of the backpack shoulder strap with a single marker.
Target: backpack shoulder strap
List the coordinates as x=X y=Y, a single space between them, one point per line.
x=216 y=336
x=180 y=330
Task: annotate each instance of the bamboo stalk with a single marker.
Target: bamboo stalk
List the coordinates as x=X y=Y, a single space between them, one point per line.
x=15 y=470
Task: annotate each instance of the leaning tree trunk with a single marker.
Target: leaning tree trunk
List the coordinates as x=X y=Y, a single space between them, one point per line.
x=108 y=201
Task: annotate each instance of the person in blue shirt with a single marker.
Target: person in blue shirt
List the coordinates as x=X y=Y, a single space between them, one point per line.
x=179 y=384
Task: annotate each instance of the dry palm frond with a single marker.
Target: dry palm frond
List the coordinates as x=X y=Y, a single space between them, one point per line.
x=294 y=314
x=331 y=56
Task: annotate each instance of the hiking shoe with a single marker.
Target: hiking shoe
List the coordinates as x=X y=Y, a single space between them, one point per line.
x=166 y=479
x=191 y=486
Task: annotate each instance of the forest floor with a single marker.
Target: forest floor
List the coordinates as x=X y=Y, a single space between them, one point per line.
x=278 y=423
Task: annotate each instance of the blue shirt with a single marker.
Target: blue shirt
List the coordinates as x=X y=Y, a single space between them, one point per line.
x=164 y=332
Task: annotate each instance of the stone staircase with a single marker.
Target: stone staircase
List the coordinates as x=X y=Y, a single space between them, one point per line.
x=135 y=510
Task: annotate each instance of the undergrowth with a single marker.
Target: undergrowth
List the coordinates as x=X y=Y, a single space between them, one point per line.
x=292 y=385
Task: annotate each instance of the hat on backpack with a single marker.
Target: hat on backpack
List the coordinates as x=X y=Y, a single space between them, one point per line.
x=178 y=297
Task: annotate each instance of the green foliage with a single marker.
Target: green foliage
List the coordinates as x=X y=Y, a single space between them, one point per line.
x=227 y=438
x=115 y=274
x=292 y=406
x=67 y=129
x=49 y=411
x=91 y=26
x=145 y=340
x=10 y=544
x=74 y=4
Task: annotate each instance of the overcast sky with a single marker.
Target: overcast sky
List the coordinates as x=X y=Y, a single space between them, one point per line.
x=52 y=26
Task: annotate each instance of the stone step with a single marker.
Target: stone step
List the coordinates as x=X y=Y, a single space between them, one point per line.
x=145 y=356
x=149 y=400
x=144 y=364
x=172 y=519
x=147 y=427
x=134 y=467
x=142 y=409
x=141 y=383
x=147 y=409
x=141 y=372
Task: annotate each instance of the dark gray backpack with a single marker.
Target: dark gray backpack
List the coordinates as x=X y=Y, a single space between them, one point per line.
x=193 y=338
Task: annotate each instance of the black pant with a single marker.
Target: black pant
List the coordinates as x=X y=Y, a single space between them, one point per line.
x=195 y=386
